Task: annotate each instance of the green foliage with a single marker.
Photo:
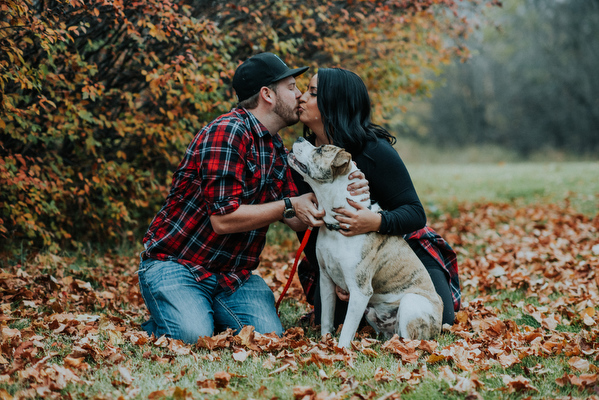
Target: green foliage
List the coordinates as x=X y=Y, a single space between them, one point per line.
x=99 y=100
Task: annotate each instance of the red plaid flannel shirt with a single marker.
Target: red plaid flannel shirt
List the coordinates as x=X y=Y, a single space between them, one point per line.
x=232 y=161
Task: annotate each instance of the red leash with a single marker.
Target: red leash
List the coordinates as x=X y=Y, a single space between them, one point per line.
x=297 y=257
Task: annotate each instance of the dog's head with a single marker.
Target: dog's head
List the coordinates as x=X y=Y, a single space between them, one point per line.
x=320 y=164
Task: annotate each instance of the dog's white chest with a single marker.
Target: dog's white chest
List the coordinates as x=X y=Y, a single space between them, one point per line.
x=339 y=255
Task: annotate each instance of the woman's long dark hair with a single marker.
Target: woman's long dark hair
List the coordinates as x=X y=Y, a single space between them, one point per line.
x=344 y=106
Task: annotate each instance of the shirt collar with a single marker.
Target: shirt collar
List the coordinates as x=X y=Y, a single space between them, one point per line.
x=260 y=130
x=255 y=125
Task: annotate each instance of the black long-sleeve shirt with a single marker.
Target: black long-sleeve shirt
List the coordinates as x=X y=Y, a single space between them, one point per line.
x=391 y=187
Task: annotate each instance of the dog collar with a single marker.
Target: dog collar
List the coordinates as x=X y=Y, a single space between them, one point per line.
x=333 y=227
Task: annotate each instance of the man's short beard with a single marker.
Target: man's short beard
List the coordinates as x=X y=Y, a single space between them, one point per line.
x=287 y=114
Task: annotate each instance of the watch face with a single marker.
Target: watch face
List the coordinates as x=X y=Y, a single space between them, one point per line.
x=289 y=211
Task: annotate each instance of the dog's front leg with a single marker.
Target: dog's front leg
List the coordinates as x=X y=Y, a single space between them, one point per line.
x=355 y=310
x=328 y=301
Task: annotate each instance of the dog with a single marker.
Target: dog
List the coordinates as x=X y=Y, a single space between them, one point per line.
x=387 y=283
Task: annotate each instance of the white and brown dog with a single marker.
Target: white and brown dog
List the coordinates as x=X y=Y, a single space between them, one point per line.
x=385 y=279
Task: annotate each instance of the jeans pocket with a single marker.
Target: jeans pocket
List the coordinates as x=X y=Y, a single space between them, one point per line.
x=145 y=265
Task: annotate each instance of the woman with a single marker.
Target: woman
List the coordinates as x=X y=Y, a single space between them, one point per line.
x=336 y=110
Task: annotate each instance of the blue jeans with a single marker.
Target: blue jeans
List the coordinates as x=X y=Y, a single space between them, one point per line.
x=183 y=308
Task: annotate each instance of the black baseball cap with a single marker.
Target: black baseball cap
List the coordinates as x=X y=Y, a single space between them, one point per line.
x=261 y=70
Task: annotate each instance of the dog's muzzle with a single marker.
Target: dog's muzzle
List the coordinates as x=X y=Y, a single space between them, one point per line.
x=296 y=164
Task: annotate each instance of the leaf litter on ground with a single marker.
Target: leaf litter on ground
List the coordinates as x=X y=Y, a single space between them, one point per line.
x=529 y=278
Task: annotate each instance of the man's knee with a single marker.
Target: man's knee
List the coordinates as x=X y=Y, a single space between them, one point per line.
x=179 y=305
x=270 y=326
x=189 y=333
x=253 y=304
x=182 y=328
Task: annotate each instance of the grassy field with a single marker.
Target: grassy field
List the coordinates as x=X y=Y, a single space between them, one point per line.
x=528 y=328
x=441 y=187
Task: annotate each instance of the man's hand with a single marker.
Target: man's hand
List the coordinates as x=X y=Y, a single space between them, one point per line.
x=306 y=211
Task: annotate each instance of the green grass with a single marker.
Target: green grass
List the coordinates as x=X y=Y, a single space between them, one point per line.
x=250 y=380
x=445 y=177
x=442 y=187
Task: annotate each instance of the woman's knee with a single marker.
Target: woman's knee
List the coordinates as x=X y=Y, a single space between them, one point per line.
x=442 y=288
x=440 y=280
x=448 y=312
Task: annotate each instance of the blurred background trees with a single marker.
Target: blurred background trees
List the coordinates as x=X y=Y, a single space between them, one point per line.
x=531 y=85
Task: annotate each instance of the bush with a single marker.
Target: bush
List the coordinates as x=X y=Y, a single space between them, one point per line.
x=100 y=99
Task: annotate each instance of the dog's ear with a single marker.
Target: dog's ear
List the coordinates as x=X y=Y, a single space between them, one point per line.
x=341 y=164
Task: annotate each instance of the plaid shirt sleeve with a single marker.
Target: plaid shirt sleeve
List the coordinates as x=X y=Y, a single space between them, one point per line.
x=226 y=156
x=222 y=167
x=442 y=252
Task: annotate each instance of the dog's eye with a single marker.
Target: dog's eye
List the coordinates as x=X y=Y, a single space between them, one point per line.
x=319 y=150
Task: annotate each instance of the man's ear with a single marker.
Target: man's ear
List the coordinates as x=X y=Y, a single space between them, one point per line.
x=266 y=95
x=341 y=164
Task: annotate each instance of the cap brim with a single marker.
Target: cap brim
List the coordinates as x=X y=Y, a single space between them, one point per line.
x=292 y=72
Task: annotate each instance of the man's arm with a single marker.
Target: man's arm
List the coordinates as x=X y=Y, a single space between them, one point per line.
x=254 y=216
x=247 y=217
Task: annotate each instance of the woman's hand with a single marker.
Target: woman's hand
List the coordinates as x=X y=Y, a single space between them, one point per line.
x=342 y=294
x=363 y=220
x=359 y=187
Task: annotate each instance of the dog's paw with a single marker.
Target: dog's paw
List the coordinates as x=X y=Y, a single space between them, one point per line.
x=422 y=329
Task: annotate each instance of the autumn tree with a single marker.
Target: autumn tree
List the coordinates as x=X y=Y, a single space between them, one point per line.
x=100 y=98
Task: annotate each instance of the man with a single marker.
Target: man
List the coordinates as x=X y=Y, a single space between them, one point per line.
x=233 y=182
